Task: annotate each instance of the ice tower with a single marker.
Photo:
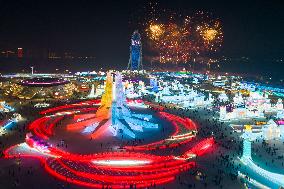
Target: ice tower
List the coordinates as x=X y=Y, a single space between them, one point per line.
x=247 y=136
x=135 y=58
x=114 y=115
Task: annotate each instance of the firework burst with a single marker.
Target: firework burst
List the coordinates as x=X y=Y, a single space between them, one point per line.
x=170 y=40
x=178 y=39
x=211 y=34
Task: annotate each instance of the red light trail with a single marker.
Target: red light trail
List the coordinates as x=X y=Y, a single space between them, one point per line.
x=121 y=169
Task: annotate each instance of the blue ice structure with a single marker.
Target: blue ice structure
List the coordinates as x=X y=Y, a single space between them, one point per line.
x=135 y=58
x=274 y=180
x=123 y=121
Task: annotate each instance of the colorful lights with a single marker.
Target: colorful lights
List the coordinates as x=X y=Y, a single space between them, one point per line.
x=116 y=169
x=43 y=82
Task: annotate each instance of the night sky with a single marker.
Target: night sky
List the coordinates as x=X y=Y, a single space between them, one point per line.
x=103 y=28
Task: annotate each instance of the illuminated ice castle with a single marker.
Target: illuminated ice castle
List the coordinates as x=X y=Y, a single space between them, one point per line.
x=114 y=115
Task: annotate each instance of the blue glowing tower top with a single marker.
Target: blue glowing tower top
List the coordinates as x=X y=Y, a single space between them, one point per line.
x=135 y=59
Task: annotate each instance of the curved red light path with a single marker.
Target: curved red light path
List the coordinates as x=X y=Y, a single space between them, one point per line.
x=81 y=169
